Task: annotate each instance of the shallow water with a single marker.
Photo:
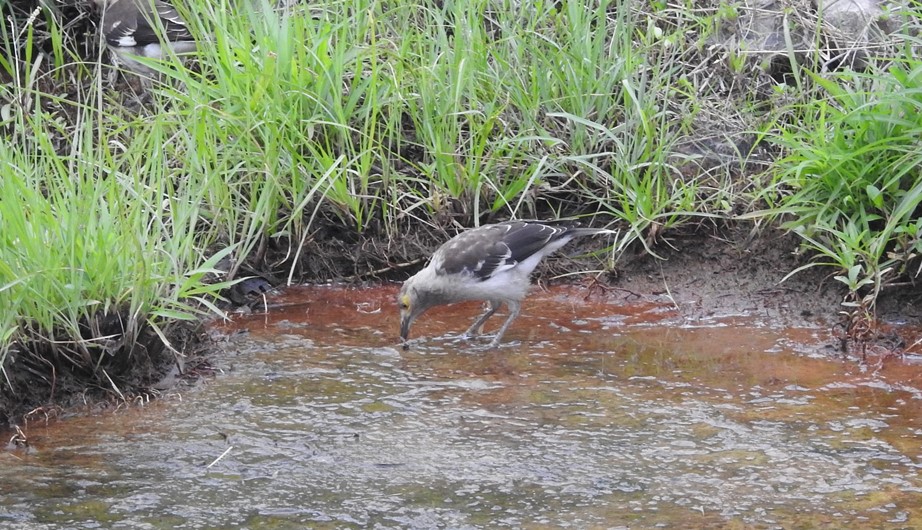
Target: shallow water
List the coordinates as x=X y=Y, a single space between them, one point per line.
x=598 y=415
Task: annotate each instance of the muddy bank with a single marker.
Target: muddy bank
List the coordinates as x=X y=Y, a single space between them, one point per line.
x=731 y=271
x=713 y=273
x=42 y=382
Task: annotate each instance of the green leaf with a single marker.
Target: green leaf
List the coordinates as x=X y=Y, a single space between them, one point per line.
x=877 y=198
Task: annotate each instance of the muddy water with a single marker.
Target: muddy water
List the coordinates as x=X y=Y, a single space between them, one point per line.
x=598 y=415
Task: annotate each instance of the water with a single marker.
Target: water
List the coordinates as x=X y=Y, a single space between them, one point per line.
x=597 y=416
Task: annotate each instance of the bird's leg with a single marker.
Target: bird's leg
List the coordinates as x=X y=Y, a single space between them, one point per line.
x=475 y=328
x=514 y=308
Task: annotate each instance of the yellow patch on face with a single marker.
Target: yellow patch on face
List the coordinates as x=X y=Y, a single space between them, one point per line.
x=405 y=301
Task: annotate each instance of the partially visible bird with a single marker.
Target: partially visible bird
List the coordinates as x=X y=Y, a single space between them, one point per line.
x=491 y=263
x=134 y=28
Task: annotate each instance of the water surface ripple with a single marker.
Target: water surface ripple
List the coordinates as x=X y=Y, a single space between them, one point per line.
x=597 y=416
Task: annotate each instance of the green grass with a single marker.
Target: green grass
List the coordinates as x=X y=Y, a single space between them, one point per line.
x=83 y=240
x=851 y=181
x=375 y=118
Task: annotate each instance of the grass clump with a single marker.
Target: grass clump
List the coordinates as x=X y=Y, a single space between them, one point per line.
x=851 y=171
x=104 y=248
x=96 y=265
x=378 y=118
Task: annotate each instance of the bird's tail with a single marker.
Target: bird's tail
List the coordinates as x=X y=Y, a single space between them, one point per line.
x=572 y=227
x=581 y=232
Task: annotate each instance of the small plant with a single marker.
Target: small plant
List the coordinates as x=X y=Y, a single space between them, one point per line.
x=850 y=178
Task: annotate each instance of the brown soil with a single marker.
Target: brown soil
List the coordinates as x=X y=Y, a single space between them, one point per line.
x=726 y=271
x=44 y=379
x=721 y=272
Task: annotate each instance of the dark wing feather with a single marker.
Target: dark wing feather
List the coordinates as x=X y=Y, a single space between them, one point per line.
x=481 y=251
x=132 y=23
x=174 y=26
x=120 y=22
x=477 y=252
x=525 y=239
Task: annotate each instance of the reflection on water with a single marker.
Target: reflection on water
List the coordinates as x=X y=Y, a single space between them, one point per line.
x=598 y=416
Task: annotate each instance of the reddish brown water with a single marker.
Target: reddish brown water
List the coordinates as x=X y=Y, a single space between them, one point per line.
x=596 y=415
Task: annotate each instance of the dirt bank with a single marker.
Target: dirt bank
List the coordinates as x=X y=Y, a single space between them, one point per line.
x=729 y=270
x=714 y=272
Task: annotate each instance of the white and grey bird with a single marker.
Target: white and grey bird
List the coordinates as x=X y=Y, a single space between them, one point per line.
x=491 y=263
x=143 y=28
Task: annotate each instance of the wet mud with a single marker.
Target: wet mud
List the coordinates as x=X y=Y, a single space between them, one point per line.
x=598 y=413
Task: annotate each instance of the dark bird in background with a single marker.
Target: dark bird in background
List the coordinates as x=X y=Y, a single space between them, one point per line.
x=143 y=28
x=491 y=263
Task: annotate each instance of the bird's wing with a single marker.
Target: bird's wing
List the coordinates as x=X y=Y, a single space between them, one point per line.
x=128 y=23
x=173 y=24
x=120 y=22
x=485 y=251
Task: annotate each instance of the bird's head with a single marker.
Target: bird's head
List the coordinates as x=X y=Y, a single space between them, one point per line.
x=413 y=300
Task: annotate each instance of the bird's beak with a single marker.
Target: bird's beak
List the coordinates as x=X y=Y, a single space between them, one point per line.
x=405 y=321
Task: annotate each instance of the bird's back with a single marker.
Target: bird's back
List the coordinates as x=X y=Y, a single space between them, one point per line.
x=489 y=250
x=132 y=23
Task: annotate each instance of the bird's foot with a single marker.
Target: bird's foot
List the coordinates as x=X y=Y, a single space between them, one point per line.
x=472 y=333
x=492 y=345
x=478 y=340
x=471 y=342
x=457 y=339
x=409 y=343
x=496 y=340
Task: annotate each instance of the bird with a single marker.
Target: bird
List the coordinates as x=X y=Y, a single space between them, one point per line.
x=134 y=28
x=492 y=263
